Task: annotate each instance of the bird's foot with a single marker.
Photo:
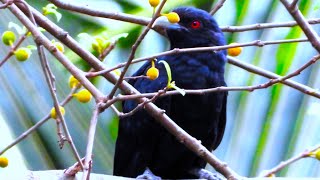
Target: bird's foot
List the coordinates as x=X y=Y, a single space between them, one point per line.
x=147 y=174
x=205 y=174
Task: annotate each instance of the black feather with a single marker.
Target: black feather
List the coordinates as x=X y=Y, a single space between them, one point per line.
x=142 y=142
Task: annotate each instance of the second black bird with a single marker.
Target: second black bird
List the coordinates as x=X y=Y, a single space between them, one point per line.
x=143 y=145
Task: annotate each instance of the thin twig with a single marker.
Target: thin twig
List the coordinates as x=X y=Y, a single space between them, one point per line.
x=106 y=52
x=144 y=21
x=6 y=4
x=258 y=43
x=73 y=170
x=281 y=165
x=141 y=105
x=95 y=63
x=135 y=47
x=303 y=23
x=91 y=135
x=49 y=80
x=13 y=48
x=217 y=6
x=114 y=108
x=271 y=82
x=136 y=77
x=260 y=71
x=40 y=38
x=294 y=3
x=260 y=26
x=37 y=125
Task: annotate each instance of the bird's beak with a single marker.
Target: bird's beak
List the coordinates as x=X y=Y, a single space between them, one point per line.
x=161 y=25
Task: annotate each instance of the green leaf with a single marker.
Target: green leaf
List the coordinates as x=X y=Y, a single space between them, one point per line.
x=119 y=36
x=85 y=36
x=31 y=47
x=168 y=69
x=18 y=28
x=51 y=9
x=171 y=85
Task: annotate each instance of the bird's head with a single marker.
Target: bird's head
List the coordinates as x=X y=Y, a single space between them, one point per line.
x=196 y=28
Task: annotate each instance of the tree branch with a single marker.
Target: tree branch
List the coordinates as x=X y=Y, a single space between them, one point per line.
x=135 y=47
x=217 y=6
x=144 y=21
x=280 y=166
x=153 y=110
x=91 y=135
x=302 y=22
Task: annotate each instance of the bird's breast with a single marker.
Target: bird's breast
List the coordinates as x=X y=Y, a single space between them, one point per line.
x=197 y=72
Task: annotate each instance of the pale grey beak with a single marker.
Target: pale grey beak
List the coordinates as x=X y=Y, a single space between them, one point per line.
x=161 y=25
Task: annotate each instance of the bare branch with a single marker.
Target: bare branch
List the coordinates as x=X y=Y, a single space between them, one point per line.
x=294 y=3
x=257 y=70
x=13 y=48
x=144 y=21
x=141 y=105
x=217 y=6
x=99 y=13
x=127 y=88
x=135 y=46
x=91 y=135
x=260 y=26
x=258 y=43
x=6 y=4
x=37 y=125
x=48 y=76
x=303 y=23
x=286 y=163
x=41 y=39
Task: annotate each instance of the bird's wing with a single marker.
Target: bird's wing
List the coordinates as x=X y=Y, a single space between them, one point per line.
x=137 y=133
x=222 y=122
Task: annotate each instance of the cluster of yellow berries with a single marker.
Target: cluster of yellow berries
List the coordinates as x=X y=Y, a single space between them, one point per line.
x=23 y=53
x=172 y=16
x=82 y=96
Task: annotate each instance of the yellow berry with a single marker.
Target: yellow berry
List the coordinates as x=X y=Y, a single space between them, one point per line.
x=73 y=82
x=59 y=46
x=53 y=112
x=154 y=3
x=8 y=38
x=83 y=96
x=153 y=73
x=172 y=17
x=3 y=162
x=22 y=54
x=317 y=154
x=234 y=51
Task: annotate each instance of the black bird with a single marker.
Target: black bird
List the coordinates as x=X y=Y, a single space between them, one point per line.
x=143 y=146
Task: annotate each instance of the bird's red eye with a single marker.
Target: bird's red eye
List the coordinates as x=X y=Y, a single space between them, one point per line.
x=195 y=24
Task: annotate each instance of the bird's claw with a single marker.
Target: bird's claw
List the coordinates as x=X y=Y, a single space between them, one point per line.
x=147 y=174
x=205 y=174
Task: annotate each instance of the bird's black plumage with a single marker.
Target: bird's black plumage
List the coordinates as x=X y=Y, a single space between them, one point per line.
x=142 y=142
